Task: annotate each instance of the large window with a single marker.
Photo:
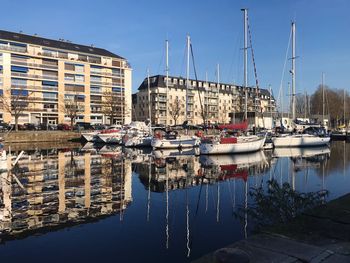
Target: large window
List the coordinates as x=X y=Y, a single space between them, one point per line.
x=19 y=69
x=49 y=95
x=18 y=82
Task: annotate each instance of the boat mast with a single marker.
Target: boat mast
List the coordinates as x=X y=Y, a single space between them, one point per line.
x=323 y=106
x=187 y=74
x=344 y=109
x=293 y=70
x=149 y=99
x=167 y=78
x=245 y=84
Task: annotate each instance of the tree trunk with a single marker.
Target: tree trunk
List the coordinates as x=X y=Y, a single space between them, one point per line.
x=16 y=123
x=71 y=123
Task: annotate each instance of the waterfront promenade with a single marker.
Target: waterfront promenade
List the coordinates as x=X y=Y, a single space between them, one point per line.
x=318 y=235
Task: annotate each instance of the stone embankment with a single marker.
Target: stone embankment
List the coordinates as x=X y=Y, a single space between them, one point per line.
x=319 y=235
x=39 y=136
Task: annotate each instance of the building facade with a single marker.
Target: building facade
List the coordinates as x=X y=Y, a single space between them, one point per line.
x=41 y=78
x=217 y=102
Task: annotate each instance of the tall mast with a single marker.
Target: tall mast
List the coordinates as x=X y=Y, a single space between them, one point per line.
x=245 y=84
x=206 y=113
x=344 y=108
x=323 y=105
x=149 y=98
x=167 y=77
x=270 y=88
x=187 y=73
x=293 y=70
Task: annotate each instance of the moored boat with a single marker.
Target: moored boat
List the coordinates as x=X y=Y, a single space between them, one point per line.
x=173 y=140
x=240 y=144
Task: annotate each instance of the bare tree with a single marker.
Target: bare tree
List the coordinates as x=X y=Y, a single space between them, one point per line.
x=112 y=105
x=72 y=108
x=16 y=103
x=176 y=109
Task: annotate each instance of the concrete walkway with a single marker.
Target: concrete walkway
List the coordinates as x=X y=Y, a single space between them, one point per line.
x=319 y=235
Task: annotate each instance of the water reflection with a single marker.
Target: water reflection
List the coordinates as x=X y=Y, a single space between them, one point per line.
x=170 y=194
x=61 y=188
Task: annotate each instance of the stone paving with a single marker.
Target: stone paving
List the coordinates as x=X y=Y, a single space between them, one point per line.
x=319 y=235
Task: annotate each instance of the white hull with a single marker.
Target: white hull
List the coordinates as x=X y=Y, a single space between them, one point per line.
x=238 y=159
x=174 y=153
x=110 y=137
x=300 y=140
x=139 y=141
x=180 y=142
x=243 y=145
x=89 y=136
x=300 y=151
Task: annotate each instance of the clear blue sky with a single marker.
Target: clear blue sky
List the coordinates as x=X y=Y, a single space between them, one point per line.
x=137 y=30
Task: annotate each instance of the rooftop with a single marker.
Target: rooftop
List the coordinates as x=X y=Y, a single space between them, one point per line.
x=58 y=44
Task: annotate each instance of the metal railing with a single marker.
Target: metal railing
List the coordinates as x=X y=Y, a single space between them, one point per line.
x=12 y=48
x=34 y=76
x=35 y=65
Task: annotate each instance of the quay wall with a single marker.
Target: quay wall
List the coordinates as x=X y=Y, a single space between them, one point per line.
x=39 y=136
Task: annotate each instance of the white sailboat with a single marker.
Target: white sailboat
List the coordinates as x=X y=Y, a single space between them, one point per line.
x=142 y=139
x=239 y=144
x=298 y=140
x=175 y=140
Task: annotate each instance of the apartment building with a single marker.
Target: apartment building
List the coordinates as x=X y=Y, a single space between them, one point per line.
x=218 y=102
x=40 y=78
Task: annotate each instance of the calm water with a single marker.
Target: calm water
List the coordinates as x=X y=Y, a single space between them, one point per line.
x=122 y=205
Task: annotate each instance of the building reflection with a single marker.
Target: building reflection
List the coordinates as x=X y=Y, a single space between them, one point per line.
x=170 y=169
x=61 y=188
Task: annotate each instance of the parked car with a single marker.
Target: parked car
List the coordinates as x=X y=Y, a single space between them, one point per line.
x=83 y=126
x=4 y=127
x=47 y=126
x=100 y=126
x=63 y=127
x=30 y=127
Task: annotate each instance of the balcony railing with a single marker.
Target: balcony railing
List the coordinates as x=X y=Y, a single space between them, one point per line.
x=12 y=48
x=34 y=65
x=26 y=75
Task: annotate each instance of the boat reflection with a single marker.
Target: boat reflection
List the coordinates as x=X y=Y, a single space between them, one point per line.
x=61 y=188
x=223 y=167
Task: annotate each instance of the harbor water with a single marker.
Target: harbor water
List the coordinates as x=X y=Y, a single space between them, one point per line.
x=100 y=203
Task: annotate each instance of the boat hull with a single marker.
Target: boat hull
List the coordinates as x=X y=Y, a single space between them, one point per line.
x=300 y=140
x=139 y=141
x=110 y=137
x=186 y=142
x=239 y=147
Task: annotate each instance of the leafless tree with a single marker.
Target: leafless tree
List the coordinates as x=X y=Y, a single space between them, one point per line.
x=72 y=108
x=112 y=105
x=16 y=103
x=176 y=109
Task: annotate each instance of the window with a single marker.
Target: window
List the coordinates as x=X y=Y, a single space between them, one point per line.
x=50 y=95
x=50 y=83
x=18 y=82
x=94 y=89
x=17 y=92
x=19 y=69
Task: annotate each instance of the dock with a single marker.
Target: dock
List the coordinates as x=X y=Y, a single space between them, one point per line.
x=318 y=235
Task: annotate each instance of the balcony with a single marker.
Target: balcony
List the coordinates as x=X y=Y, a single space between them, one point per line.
x=13 y=48
x=33 y=76
x=34 y=65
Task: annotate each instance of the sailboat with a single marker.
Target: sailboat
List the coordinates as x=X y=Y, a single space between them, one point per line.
x=239 y=144
x=173 y=140
x=142 y=139
x=298 y=140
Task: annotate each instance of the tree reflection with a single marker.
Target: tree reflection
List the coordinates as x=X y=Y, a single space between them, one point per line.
x=277 y=204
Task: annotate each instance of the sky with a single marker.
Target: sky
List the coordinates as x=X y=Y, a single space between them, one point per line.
x=137 y=30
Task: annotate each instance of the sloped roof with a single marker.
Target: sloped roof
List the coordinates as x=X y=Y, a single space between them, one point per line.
x=50 y=43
